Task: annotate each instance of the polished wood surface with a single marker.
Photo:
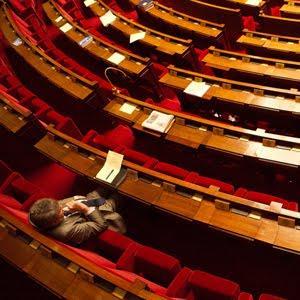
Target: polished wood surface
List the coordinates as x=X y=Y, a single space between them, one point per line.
x=99 y=49
x=77 y=86
x=159 y=41
x=291 y=9
x=235 y=92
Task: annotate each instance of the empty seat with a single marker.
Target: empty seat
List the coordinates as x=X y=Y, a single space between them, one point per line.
x=122 y=135
x=139 y=158
x=270 y=297
x=7 y=175
x=265 y=198
x=171 y=170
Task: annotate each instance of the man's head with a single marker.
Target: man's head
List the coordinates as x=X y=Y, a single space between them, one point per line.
x=46 y=213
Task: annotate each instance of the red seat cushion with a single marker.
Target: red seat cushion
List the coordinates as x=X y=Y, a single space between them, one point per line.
x=121 y=135
x=112 y=244
x=156 y=265
x=270 y=297
x=171 y=170
x=245 y=296
x=10 y=201
x=139 y=158
x=211 y=287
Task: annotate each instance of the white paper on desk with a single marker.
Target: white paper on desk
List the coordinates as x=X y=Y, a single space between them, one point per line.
x=127 y=108
x=107 y=18
x=17 y=42
x=85 y=41
x=116 y=58
x=196 y=88
x=111 y=168
x=88 y=3
x=66 y=27
x=253 y=2
x=58 y=19
x=136 y=36
x=159 y=121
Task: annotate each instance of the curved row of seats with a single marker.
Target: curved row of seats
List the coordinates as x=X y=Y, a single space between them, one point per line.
x=121 y=140
x=124 y=257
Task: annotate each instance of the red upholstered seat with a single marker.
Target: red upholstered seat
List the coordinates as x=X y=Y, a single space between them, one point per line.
x=249 y=23
x=265 y=198
x=275 y=11
x=10 y=201
x=245 y=296
x=36 y=105
x=18 y=6
x=112 y=244
x=6 y=176
x=152 y=264
x=139 y=158
x=171 y=170
x=270 y=297
x=210 y=287
x=93 y=22
x=121 y=135
x=206 y=182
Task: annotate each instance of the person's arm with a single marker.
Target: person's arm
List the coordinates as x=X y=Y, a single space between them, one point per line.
x=83 y=231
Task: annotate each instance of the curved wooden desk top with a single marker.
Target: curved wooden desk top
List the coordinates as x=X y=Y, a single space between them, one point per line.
x=73 y=84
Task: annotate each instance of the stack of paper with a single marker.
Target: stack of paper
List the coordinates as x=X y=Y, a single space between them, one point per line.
x=159 y=121
x=127 y=108
x=17 y=42
x=111 y=168
x=85 y=41
x=253 y=2
x=137 y=36
x=108 y=18
x=146 y=4
x=88 y=3
x=116 y=58
x=66 y=27
x=196 y=88
x=58 y=19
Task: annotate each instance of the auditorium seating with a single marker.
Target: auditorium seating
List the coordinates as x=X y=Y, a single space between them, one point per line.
x=247 y=122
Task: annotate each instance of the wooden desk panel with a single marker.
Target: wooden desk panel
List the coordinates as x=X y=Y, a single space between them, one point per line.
x=58 y=75
x=205 y=212
x=288 y=238
x=99 y=49
x=290 y=9
x=268 y=231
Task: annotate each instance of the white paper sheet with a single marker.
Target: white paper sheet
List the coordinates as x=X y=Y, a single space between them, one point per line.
x=107 y=18
x=275 y=206
x=159 y=121
x=116 y=58
x=88 y=3
x=253 y=2
x=137 y=36
x=196 y=88
x=58 y=19
x=66 y=27
x=111 y=168
x=17 y=42
x=128 y=108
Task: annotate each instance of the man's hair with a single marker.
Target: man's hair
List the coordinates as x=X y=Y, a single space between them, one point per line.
x=44 y=213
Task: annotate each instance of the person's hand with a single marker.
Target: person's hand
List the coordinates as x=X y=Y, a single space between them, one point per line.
x=77 y=206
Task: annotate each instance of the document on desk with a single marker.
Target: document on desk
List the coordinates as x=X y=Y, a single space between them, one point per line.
x=85 y=41
x=116 y=58
x=127 y=108
x=253 y=2
x=17 y=42
x=108 y=18
x=58 y=19
x=88 y=3
x=66 y=27
x=159 y=121
x=196 y=88
x=111 y=168
x=136 y=36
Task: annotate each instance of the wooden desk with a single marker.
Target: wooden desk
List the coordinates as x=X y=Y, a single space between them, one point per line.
x=190 y=131
x=273 y=70
x=194 y=28
x=291 y=9
x=132 y=64
x=155 y=40
x=270 y=44
x=74 y=85
x=242 y=94
x=196 y=203
x=279 y=25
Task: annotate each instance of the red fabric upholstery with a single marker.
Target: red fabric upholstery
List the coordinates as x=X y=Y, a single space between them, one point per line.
x=179 y=287
x=126 y=260
x=206 y=182
x=18 y=6
x=270 y=297
x=139 y=158
x=10 y=201
x=210 y=287
x=275 y=11
x=265 y=198
x=156 y=265
x=121 y=135
x=171 y=170
x=93 y=22
x=112 y=244
x=249 y=23
x=245 y=296
x=31 y=199
x=37 y=106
